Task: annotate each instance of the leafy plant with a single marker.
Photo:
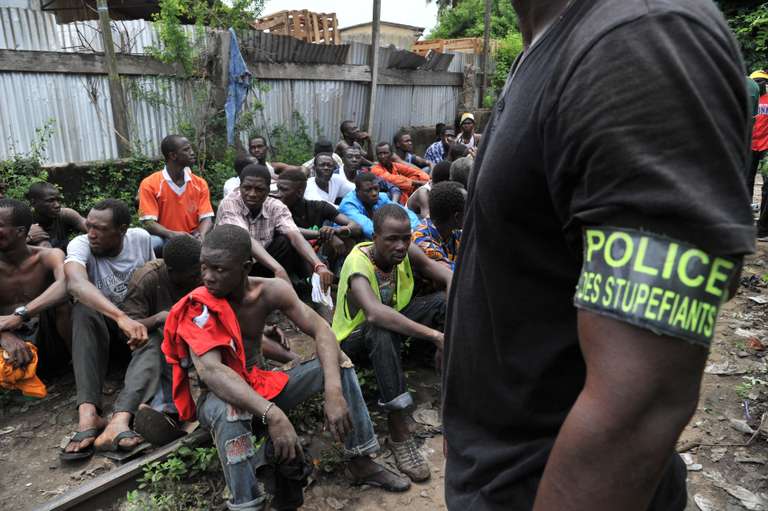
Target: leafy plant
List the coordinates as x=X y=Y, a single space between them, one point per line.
x=292 y=143
x=749 y=22
x=466 y=19
x=176 y=484
x=22 y=169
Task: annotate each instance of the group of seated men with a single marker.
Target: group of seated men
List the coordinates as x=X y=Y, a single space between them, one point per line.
x=104 y=298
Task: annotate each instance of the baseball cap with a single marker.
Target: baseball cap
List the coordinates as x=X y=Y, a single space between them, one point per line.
x=465 y=116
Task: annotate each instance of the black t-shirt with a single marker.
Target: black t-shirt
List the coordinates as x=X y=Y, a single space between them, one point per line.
x=311 y=214
x=627 y=114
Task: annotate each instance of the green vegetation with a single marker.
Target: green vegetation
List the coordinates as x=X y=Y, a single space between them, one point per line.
x=177 y=483
x=466 y=19
x=749 y=22
x=22 y=169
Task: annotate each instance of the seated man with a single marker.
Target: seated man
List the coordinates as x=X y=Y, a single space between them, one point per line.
x=461 y=169
x=376 y=311
x=319 y=222
x=174 y=201
x=52 y=225
x=241 y=161
x=439 y=235
x=258 y=149
x=152 y=291
x=406 y=177
x=352 y=136
x=404 y=151
x=323 y=146
x=419 y=201
x=438 y=151
x=271 y=227
x=219 y=327
x=360 y=204
x=99 y=265
x=326 y=185
x=458 y=151
x=32 y=284
x=352 y=158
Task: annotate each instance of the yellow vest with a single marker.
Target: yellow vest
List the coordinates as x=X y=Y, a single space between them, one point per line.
x=357 y=262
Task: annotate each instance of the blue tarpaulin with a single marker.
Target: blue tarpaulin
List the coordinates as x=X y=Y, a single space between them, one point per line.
x=239 y=84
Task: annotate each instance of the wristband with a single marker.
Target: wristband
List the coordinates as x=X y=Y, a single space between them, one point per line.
x=318 y=265
x=264 y=415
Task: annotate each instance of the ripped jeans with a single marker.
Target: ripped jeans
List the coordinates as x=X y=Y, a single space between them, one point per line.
x=231 y=429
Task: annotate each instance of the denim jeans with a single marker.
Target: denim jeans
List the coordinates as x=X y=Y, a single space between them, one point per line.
x=231 y=429
x=383 y=347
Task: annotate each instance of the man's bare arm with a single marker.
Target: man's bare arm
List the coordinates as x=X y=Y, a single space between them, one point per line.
x=639 y=386
x=434 y=271
x=206 y=224
x=383 y=316
x=307 y=253
x=354 y=229
x=284 y=297
x=153 y=227
x=231 y=388
x=81 y=288
x=53 y=260
x=262 y=256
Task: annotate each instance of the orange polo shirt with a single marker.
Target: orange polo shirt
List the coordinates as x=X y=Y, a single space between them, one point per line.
x=175 y=208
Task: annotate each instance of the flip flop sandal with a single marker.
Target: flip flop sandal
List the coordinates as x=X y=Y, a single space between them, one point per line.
x=118 y=453
x=156 y=427
x=83 y=453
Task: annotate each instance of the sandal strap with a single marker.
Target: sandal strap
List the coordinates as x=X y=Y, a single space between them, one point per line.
x=123 y=435
x=82 y=435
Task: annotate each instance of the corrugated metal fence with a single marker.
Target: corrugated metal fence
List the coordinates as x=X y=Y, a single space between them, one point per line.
x=78 y=107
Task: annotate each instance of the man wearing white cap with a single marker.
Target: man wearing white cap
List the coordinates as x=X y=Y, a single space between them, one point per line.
x=467 y=135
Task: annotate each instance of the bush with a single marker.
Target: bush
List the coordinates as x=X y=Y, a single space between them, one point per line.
x=22 y=169
x=292 y=144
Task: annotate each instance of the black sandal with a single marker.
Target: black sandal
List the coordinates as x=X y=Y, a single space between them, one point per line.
x=83 y=453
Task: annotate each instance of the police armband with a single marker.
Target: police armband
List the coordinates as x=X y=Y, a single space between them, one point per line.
x=666 y=286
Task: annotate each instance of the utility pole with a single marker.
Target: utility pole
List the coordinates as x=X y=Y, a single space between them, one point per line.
x=116 y=94
x=486 y=44
x=376 y=36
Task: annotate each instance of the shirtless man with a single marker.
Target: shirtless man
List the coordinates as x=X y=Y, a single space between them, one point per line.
x=230 y=403
x=419 y=201
x=53 y=225
x=351 y=136
x=404 y=151
x=31 y=284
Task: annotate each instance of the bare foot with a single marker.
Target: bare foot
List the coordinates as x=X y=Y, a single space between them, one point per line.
x=89 y=419
x=120 y=422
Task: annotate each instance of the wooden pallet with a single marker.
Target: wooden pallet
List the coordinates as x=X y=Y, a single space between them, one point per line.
x=305 y=25
x=472 y=45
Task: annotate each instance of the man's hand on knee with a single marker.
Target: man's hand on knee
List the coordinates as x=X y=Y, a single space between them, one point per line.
x=337 y=416
x=283 y=435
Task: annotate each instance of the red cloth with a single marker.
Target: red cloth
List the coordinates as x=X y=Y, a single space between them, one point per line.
x=760 y=130
x=201 y=322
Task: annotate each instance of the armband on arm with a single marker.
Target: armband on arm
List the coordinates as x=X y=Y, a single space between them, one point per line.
x=666 y=286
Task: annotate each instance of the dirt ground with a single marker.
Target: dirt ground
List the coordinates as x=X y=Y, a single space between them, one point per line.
x=727 y=462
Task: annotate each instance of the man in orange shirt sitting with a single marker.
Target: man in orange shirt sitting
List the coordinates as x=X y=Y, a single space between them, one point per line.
x=406 y=177
x=174 y=201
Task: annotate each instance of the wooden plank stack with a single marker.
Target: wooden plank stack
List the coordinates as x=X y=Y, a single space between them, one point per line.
x=305 y=25
x=473 y=45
